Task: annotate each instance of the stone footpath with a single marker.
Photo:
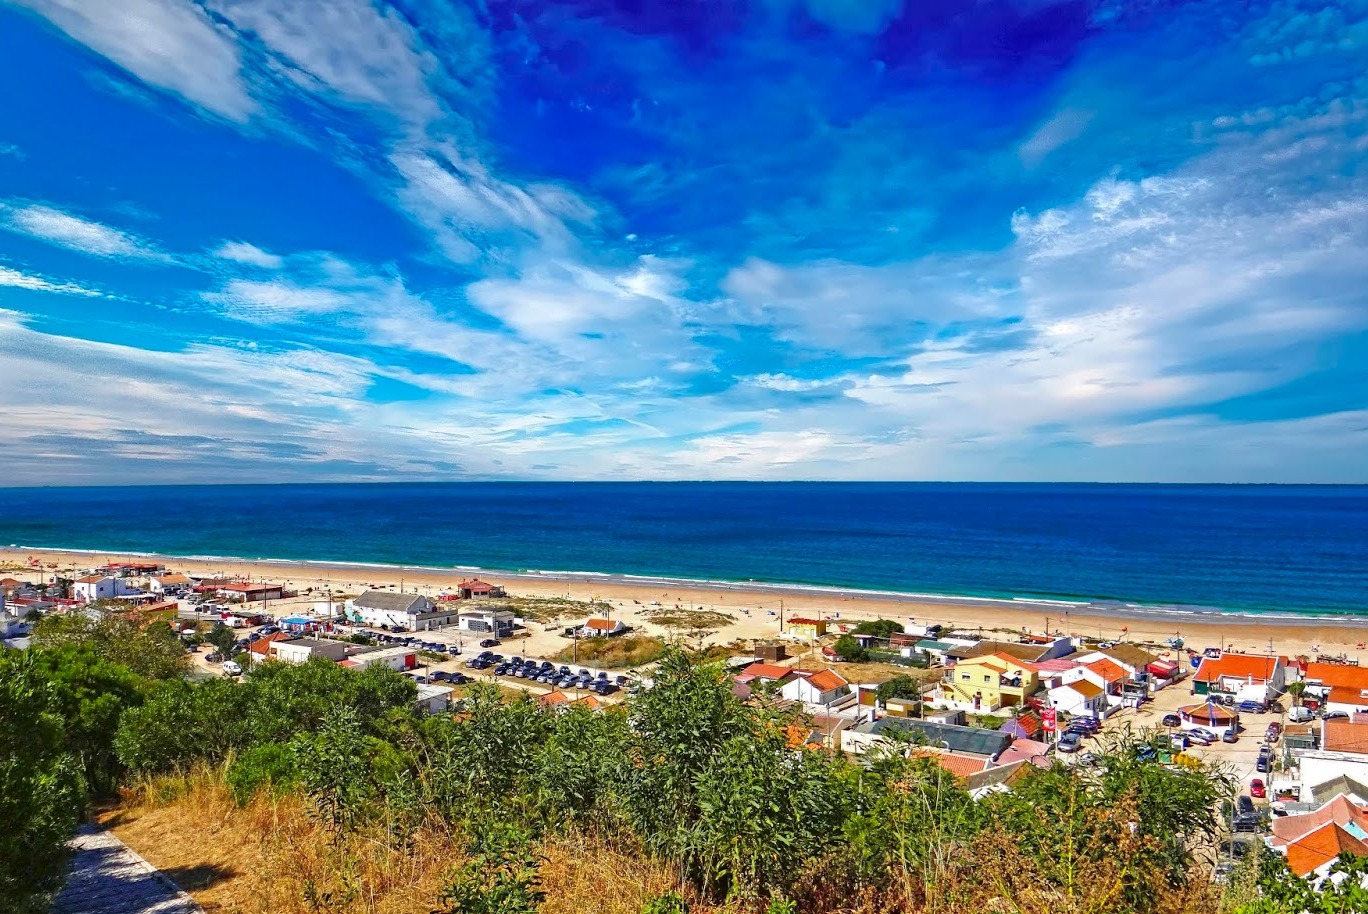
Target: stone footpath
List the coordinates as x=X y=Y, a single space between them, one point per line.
x=107 y=877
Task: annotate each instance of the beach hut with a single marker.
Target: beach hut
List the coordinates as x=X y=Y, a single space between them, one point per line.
x=1209 y=715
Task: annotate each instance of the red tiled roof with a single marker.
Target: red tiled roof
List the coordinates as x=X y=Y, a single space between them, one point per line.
x=1344 y=736
x=763 y=671
x=1052 y=666
x=799 y=620
x=1023 y=750
x=606 y=625
x=263 y=645
x=1208 y=713
x=553 y=698
x=90 y=579
x=247 y=587
x=1317 y=848
x=1236 y=666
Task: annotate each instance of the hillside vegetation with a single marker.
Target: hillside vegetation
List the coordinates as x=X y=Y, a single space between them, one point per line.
x=315 y=788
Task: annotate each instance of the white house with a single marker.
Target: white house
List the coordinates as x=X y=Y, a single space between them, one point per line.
x=599 y=628
x=410 y=610
x=1080 y=698
x=168 y=582
x=11 y=619
x=488 y=623
x=825 y=687
x=301 y=650
x=100 y=587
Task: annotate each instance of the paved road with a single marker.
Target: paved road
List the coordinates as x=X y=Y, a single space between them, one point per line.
x=106 y=877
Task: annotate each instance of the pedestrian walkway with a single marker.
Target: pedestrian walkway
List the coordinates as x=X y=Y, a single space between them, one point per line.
x=107 y=877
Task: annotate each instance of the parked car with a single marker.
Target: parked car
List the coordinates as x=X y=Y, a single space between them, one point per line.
x=440 y=676
x=231 y=669
x=454 y=650
x=1257 y=788
x=1230 y=736
x=489 y=642
x=1252 y=707
x=1264 y=764
x=1202 y=735
x=1246 y=817
x=398 y=628
x=1335 y=715
x=1178 y=742
x=215 y=657
x=1274 y=732
x=1070 y=742
x=1300 y=715
x=1172 y=720
x=1213 y=652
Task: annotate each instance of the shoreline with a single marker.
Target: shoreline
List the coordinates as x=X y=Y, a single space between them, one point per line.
x=1100 y=607
x=746 y=613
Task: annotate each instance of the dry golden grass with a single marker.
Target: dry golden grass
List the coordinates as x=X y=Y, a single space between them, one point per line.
x=271 y=857
x=622 y=652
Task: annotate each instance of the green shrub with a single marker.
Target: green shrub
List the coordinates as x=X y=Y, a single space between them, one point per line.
x=268 y=766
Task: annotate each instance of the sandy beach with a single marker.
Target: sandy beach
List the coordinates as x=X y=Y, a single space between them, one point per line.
x=754 y=608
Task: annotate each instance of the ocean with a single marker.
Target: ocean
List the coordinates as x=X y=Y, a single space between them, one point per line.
x=1253 y=549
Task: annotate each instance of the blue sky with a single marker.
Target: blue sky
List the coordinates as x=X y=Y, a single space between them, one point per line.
x=276 y=240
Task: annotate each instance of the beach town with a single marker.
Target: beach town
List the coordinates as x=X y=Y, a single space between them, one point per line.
x=978 y=690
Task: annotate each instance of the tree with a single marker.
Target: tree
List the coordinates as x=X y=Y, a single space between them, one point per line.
x=335 y=767
x=899 y=687
x=153 y=651
x=850 y=650
x=1295 y=690
x=882 y=629
x=41 y=790
x=501 y=876
x=222 y=638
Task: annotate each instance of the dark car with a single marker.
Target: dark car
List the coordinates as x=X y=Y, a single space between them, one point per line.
x=1264 y=763
x=458 y=679
x=454 y=651
x=489 y=642
x=398 y=628
x=1230 y=736
x=1172 y=720
x=502 y=669
x=620 y=681
x=440 y=676
x=1251 y=707
x=602 y=676
x=1274 y=732
x=215 y=657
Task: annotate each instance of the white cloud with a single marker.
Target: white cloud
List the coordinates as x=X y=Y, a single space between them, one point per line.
x=250 y=254
x=65 y=230
x=170 y=44
x=350 y=49
x=1060 y=129
x=17 y=280
x=276 y=302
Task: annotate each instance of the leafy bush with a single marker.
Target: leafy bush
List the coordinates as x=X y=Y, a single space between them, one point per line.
x=850 y=650
x=267 y=766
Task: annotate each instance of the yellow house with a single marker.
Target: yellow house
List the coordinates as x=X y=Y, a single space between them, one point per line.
x=989 y=682
x=805 y=629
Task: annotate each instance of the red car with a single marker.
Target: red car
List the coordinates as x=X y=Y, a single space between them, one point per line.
x=1257 y=789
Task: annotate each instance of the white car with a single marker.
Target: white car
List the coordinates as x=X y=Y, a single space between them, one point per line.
x=230 y=668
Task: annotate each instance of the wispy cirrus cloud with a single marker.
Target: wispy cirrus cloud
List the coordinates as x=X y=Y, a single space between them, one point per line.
x=77 y=233
x=250 y=254
x=170 y=44
x=19 y=280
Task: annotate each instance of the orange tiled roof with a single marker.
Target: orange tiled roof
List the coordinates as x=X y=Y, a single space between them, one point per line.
x=90 y=579
x=606 y=625
x=1341 y=809
x=827 y=680
x=263 y=645
x=1317 y=848
x=1349 y=695
x=1337 y=675
x=551 y=699
x=1344 y=736
x=1109 y=670
x=1085 y=688
x=1237 y=666
x=961 y=765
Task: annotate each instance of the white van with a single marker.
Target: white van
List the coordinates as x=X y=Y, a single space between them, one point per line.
x=1300 y=715
x=230 y=668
